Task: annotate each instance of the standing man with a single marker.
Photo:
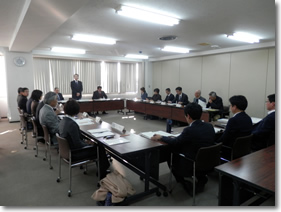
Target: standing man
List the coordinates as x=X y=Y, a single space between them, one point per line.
x=264 y=131
x=76 y=87
x=57 y=91
x=181 y=98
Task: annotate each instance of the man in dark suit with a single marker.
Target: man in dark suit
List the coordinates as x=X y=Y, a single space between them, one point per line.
x=59 y=95
x=99 y=94
x=181 y=98
x=240 y=124
x=69 y=129
x=198 y=134
x=23 y=99
x=76 y=87
x=170 y=97
x=264 y=131
x=215 y=102
x=197 y=97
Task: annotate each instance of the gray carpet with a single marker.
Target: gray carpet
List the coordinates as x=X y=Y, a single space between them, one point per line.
x=28 y=181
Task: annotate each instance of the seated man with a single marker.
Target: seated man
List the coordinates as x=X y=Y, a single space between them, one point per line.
x=156 y=96
x=197 y=97
x=240 y=124
x=69 y=129
x=264 y=131
x=215 y=102
x=198 y=134
x=57 y=91
x=170 y=97
x=99 y=94
x=181 y=98
x=48 y=117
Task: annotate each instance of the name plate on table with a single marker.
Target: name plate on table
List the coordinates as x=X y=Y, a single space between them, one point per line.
x=98 y=119
x=163 y=103
x=178 y=105
x=118 y=127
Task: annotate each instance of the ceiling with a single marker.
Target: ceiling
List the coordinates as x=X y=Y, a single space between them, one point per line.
x=38 y=25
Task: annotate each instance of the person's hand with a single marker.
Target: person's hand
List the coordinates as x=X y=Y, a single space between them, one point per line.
x=210 y=101
x=156 y=137
x=77 y=94
x=180 y=103
x=169 y=102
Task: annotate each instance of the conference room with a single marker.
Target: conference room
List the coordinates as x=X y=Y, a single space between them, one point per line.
x=99 y=54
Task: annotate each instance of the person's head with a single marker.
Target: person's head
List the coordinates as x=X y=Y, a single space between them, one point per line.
x=56 y=90
x=51 y=99
x=168 y=91
x=156 y=91
x=25 y=92
x=99 y=88
x=197 y=94
x=36 y=95
x=76 y=76
x=212 y=95
x=71 y=107
x=142 y=90
x=238 y=103
x=192 y=112
x=270 y=102
x=179 y=90
x=19 y=90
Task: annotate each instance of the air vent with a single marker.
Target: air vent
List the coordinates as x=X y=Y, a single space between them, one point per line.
x=170 y=37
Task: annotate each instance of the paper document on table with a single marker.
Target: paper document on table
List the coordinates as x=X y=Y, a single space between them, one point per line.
x=217 y=130
x=103 y=134
x=116 y=141
x=151 y=134
x=98 y=130
x=223 y=120
x=255 y=120
x=201 y=103
x=175 y=135
x=86 y=121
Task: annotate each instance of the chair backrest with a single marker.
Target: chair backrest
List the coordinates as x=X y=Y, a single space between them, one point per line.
x=35 y=131
x=63 y=147
x=23 y=121
x=241 y=147
x=208 y=157
x=46 y=134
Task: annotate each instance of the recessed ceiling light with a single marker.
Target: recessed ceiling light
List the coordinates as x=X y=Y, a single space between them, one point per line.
x=93 y=39
x=175 y=49
x=146 y=16
x=137 y=56
x=245 y=37
x=68 y=50
x=170 y=37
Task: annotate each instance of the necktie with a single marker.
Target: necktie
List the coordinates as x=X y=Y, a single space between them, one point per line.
x=197 y=101
x=58 y=97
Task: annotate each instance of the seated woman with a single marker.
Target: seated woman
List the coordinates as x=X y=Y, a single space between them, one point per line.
x=143 y=93
x=69 y=129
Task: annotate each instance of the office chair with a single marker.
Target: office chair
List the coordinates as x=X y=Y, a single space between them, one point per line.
x=47 y=145
x=240 y=148
x=225 y=113
x=206 y=159
x=37 y=138
x=65 y=153
x=24 y=130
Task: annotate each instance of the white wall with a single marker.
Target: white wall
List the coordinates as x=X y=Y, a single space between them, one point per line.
x=3 y=89
x=249 y=73
x=17 y=77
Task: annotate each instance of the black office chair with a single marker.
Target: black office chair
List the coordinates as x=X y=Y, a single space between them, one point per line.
x=47 y=145
x=225 y=113
x=206 y=159
x=36 y=136
x=240 y=148
x=65 y=154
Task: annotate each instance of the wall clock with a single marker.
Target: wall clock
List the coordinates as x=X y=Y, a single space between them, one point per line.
x=19 y=61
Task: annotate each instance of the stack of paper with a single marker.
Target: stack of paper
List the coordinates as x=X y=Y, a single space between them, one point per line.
x=223 y=120
x=98 y=133
x=116 y=141
x=255 y=120
x=85 y=121
x=217 y=130
x=151 y=134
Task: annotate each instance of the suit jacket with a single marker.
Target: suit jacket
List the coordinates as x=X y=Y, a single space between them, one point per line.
x=96 y=95
x=169 y=98
x=199 y=134
x=69 y=130
x=48 y=117
x=156 y=97
x=216 y=104
x=201 y=98
x=22 y=103
x=76 y=88
x=237 y=126
x=60 y=97
x=262 y=131
x=184 y=99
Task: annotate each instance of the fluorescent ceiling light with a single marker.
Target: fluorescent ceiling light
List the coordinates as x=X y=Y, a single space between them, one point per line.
x=245 y=37
x=68 y=50
x=175 y=49
x=147 y=16
x=93 y=39
x=136 y=56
